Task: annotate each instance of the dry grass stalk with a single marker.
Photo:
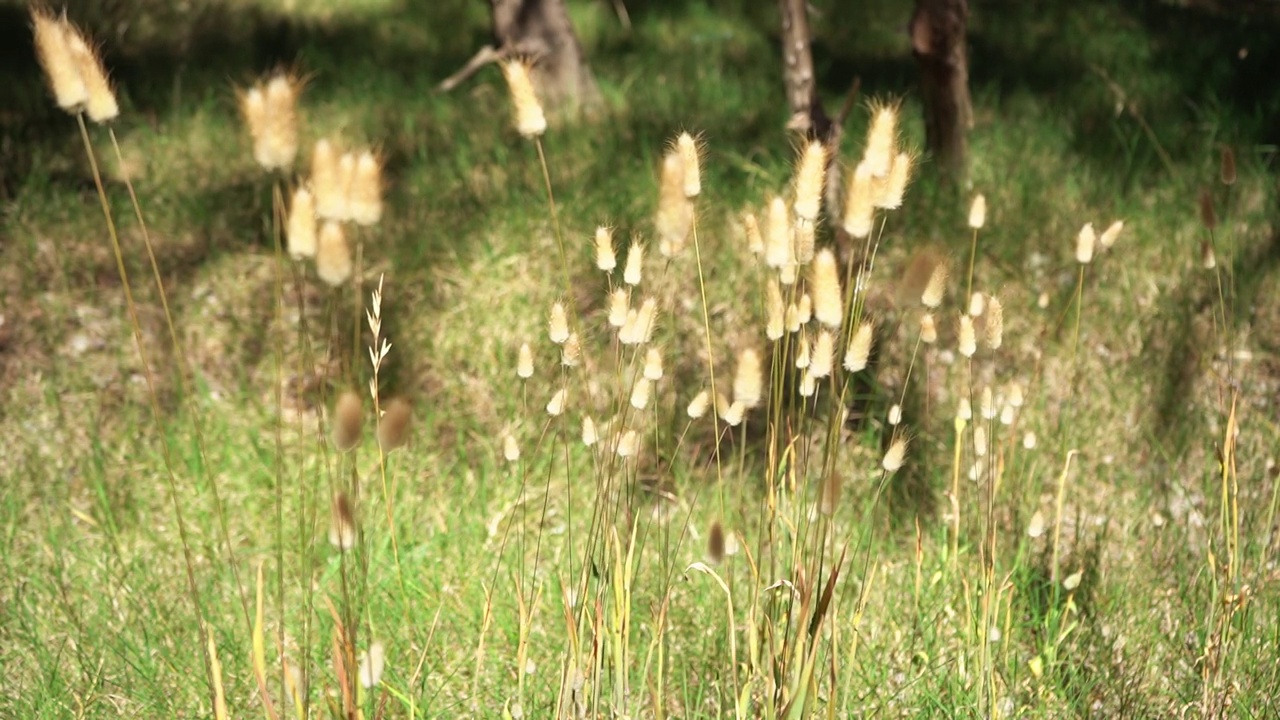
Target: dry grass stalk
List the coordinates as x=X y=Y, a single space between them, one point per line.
x=348 y=420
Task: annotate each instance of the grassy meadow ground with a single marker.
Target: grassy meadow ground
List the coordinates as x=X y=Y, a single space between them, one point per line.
x=1123 y=601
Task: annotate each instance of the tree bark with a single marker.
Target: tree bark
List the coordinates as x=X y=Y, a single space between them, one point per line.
x=807 y=115
x=938 y=34
x=541 y=30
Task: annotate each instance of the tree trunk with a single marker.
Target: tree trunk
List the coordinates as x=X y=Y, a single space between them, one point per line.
x=938 y=42
x=541 y=31
x=807 y=115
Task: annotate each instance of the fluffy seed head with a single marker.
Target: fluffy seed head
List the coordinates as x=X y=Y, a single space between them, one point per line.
x=882 y=140
x=936 y=288
x=698 y=405
x=687 y=147
x=589 y=435
x=829 y=500
x=653 y=364
x=811 y=170
x=928 y=329
x=326 y=181
x=60 y=67
x=748 y=380
x=619 y=306
x=530 y=122
x=606 y=259
x=994 y=323
x=804 y=309
x=792 y=319
x=966 y=338
x=1228 y=166
x=804 y=354
x=988 y=404
x=301 y=232
x=333 y=256
x=342 y=523
x=1207 y=257
x=734 y=414
x=715 y=542
x=1007 y=414
x=555 y=406
x=1035 y=528
x=1108 y=237
x=348 y=418
x=101 y=104
x=365 y=193
x=894 y=187
x=895 y=415
x=674 y=219
x=524 y=362
x=393 y=426
x=805 y=236
x=859 y=203
x=824 y=350
x=964 y=410
x=1029 y=440
x=897 y=453
x=634 y=269
x=808 y=384
x=371 y=665
x=773 y=311
x=980 y=441
x=978 y=212
x=977 y=304
x=722 y=404
x=628 y=444
x=1085 y=241
x=639 y=329
x=859 y=350
x=510 y=448
x=571 y=351
x=779 y=251
x=755 y=241
x=828 y=305
x=281 y=140
x=558 y=324
x=1015 y=396
x=640 y=393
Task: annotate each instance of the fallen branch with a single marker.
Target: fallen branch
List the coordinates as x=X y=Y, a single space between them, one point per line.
x=484 y=56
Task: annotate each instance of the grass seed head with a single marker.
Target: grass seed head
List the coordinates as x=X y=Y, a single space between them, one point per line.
x=773 y=311
x=348 y=420
x=829 y=500
x=372 y=664
x=301 y=233
x=524 y=362
x=619 y=307
x=639 y=327
x=653 y=364
x=674 y=219
x=988 y=405
x=755 y=240
x=1208 y=259
x=828 y=305
x=804 y=352
x=748 y=380
x=279 y=142
x=882 y=139
x=555 y=406
x=698 y=405
x=715 y=542
x=530 y=121
x=558 y=324
x=808 y=384
x=896 y=455
x=571 y=351
x=100 y=105
x=326 y=182
x=858 y=353
x=980 y=441
x=634 y=270
x=1108 y=237
x=994 y=325
x=342 y=523
x=1227 y=166
x=936 y=288
x=510 y=448
x=779 y=251
x=978 y=212
x=811 y=171
x=804 y=309
x=824 y=350
x=966 y=338
x=894 y=187
x=333 y=256
x=964 y=410
x=365 y=193
x=641 y=390
x=691 y=164
x=895 y=415
x=628 y=444
x=60 y=67
x=1085 y=240
x=977 y=304
x=859 y=204
x=734 y=414
x=805 y=236
x=606 y=258
x=928 y=329
x=393 y=426
x=589 y=435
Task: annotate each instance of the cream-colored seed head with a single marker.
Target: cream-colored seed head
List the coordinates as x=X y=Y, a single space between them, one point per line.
x=524 y=362
x=824 y=350
x=301 y=233
x=804 y=354
x=619 y=306
x=653 y=364
x=964 y=410
x=859 y=350
x=555 y=406
x=978 y=212
x=60 y=67
x=278 y=146
x=1007 y=414
x=675 y=216
x=346 y=176
x=773 y=311
x=628 y=444
x=365 y=199
x=640 y=393
x=646 y=320
x=748 y=381
x=734 y=414
x=966 y=338
x=859 y=204
x=1015 y=395
x=804 y=308
x=894 y=187
x=896 y=456
x=977 y=304
x=589 y=435
x=698 y=405
x=895 y=415
x=805 y=236
x=980 y=441
x=571 y=351
x=510 y=448
x=1108 y=237
x=936 y=288
x=634 y=269
x=333 y=256
x=755 y=240
x=882 y=140
x=1085 y=241
x=779 y=251
x=530 y=122
x=787 y=274
x=811 y=173
x=808 y=384
x=988 y=406
x=994 y=323
x=326 y=182
x=558 y=324
x=687 y=147
x=792 y=319
x=100 y=105
x=828 y=305
x=928 y=329
x=606 y=259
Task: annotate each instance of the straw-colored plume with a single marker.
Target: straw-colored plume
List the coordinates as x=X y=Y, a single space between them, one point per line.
x=894 y=187
x=859 y=350
x=895 y=415
x=691 y=163
x=571 y=351
x=804 y=352
x=1085 y=241
x=964 y=409
x=530 y=122
x=988 y=404
x=674 y=220
x=978 y=212
x=628 y=444
x=896 y=455
x=619 y=307
x=640 y=323
x=641 y=391
x=805 y=236
x=808 y=384
x=755 y=240
x=606 y=258
x=326 y=182
x=348 y=419
x=590 y=436
x=698 y=405
x=966 y=337
x=270 y=110
x=828 y=305
x=811 y=173
x=653 y=364
x=1015 y=395
x=510 y=448
x=936 y=288
x=60 y=68
x=824 y=350
x=558 y=324
x=804 y=308
x=748 y=381
x=301 y=233
x=634 y=270
x=829 y=500
x=779 y=251
x=1007 y=414
x=555 y=406
x=715 y=543
x=977 y=304
x=342 y=523
x=1108 y=236
x=524 y=362
x=928 y=329
x=365 y=192
x=371 y=665
x=734 y=414
x=333 y=256
x=101 y=104
x=1208 y=259
x=994 y=323
x=859 y=204
x=393 y=426
x=792 y=318
x=722 y=404
x=773 y=311
x=882 y=140
x=980 y=441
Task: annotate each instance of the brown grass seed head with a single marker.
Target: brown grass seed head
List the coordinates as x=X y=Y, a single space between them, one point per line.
x=393 y=426
x=348 y=420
